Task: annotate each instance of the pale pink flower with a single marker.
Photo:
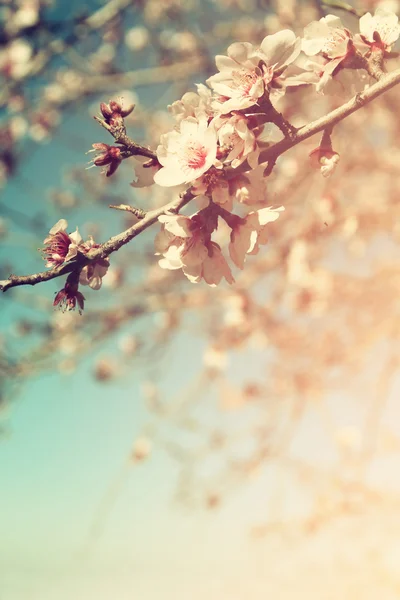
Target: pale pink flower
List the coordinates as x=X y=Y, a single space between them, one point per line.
x=60 y=246
x=327 y=36
x=192 y=104
x=237 y=141
x=327 y=78
x=141 y=449
x=93 y=273
x=212 y=269
x=324 y=159
x=383 y=23
x=181 y=241
x=251 y=232
x=247 y=73
x=215 y=185
x=15 y=59
x=332 y=41
x=251 y=187
x=186 y=154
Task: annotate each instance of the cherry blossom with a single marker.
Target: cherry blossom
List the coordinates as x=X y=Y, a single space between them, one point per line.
x=383 y=23
x=186 y=154
x=181 y=241
x=212 y=269
x=193 y=104
x=237 y=140
x=60 y=246
x=317 y=70
x=214 y=184
x=247 y=73
x=250 y=232
x=15 y=59
x=327 y=36
x=332 y=41
x=251 y=187
x=93 y=273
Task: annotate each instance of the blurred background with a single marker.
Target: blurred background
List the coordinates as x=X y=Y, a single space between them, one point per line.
x=177 y=440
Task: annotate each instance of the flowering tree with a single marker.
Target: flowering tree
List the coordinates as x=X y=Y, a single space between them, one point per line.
x=289 y=250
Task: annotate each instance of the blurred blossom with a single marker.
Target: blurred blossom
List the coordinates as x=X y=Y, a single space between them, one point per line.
x=137 y=38
x=129 y=345
x=15 y=59
x=26 y=15
x=105 y=369
x=141 y=449
x=215 y=359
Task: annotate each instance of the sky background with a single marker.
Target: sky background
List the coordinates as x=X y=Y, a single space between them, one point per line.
x=65 y=468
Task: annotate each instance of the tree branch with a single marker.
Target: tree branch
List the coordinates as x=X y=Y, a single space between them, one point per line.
x=339 y=114
x=113 y=244
x=269 y=155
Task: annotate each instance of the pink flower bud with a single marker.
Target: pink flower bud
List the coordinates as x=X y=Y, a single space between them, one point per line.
x=324 y=159
x=69 y=297
x=109 y=155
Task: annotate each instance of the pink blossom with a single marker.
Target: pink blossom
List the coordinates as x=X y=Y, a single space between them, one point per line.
x=333 y=42
x=237 y=141
x=93 y=273
x=327 y=37
x=251 y=187
x=381 y=30
x=193 y=105
x=181 y=241
x=215 y=185
x=212 y=269
x=250 y=232
x=60 y=246
x=247 y=73
x=186 y=154
x=327 y=78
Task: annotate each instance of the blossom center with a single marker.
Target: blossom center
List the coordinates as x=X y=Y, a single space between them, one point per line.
x=244 y=81
x=194 y=155
x=336 y=44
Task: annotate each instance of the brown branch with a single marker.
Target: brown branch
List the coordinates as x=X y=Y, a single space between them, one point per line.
x=268 y=155
x=138 y=212
x=335 y=116
x=113 y=244
x=131 y=147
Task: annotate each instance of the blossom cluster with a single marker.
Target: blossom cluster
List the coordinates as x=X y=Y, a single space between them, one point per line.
x=61 y=247
x=221 y=150
x=221 y=131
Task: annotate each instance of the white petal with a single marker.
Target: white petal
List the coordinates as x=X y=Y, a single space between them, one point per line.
x=61 y=225
x=280 y=46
